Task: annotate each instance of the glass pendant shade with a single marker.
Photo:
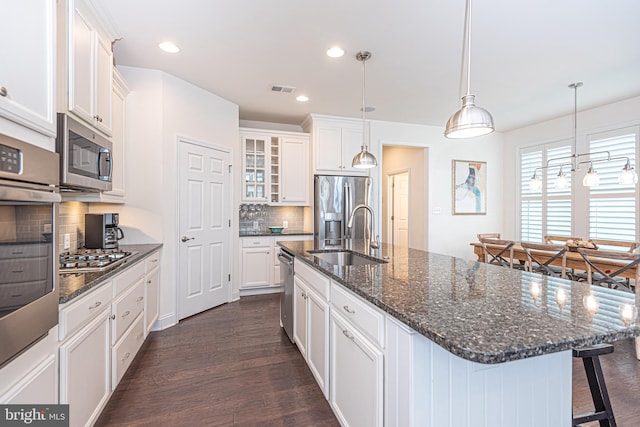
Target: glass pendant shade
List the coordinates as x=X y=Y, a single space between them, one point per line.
x=364 y=159
x=535 y=184
x=591 y=179
x=469 y=121
x=628 y=176
x=561 y=180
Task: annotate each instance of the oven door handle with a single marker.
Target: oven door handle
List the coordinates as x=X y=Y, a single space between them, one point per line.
x=28 y=195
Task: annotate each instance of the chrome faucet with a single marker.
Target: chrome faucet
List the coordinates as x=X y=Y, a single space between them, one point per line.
x=373 y=243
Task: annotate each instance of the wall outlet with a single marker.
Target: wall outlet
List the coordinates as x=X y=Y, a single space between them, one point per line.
x=285 y=224
x=66 y=241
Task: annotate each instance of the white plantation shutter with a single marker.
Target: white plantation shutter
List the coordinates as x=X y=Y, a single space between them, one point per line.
x=558 y=209
x=530 y=201
x=612 y=207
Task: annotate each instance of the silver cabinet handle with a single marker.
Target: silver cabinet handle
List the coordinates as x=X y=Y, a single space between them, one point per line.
x=348 y=310
x=96 y=305
x=112 y=317
x=148 y=282
x=154 y=260
x=348 y=334
x=126 y=313
x=3 y=91
x=186 y=239
x=139 y=299
x=126 y=356
x=17 y=271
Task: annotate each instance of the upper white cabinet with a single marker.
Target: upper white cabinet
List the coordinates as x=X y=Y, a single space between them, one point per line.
x=118 y=108
x=27 y=74
x=90 y=65
x=335 y=142
x=275 y=167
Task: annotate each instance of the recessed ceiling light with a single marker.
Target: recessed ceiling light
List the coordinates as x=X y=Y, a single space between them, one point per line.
x=335 y=52
x=169 y=47
x=302 y=98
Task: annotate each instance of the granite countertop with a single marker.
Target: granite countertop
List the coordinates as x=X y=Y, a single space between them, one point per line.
x=483 y=313
x=72 y=285
x=287 y=232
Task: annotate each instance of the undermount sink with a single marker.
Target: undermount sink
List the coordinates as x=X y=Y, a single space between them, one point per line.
x=345 y=258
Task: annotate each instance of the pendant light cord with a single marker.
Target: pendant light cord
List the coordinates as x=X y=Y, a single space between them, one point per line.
x=363 y=104
x=468 y=16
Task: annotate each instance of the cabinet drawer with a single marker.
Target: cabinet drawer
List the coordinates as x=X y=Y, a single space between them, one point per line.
x=128 y=278
x=81 y=311
x=255 y=242
x=24 y=251
x=126 y=309
x=125 y=350
x=356 y=310
x=151 y=262
x=17 y=295
x=23 y=270
x=316 y=281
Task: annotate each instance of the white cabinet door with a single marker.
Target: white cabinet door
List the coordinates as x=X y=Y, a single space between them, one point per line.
x=328 y=149
x=85 y=368
x=356 y=376
x=351 y=145
x=152 y=298
x=300 y=316
x=255 y=167
x=104 y=79
x=81 y=66
x=318 y=340
x=256 y=267
x=294 y=173
x=27 y=50
x=118 y=108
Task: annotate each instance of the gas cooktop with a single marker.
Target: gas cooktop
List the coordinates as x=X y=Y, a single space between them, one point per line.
x=87 y=260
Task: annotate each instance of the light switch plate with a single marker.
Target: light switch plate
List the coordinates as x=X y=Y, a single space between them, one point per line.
x=66 y=241
x=285 y=224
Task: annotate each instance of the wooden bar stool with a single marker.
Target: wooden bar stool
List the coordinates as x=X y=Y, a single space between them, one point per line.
x=603 y=413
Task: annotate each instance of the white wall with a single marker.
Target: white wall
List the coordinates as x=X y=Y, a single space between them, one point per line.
x=608 y=117
x=448 y=234
x=161 y=108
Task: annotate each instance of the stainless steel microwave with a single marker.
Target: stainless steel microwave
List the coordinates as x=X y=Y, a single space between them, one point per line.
x=85 y=156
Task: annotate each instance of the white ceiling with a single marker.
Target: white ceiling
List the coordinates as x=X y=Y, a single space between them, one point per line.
x=524 y=54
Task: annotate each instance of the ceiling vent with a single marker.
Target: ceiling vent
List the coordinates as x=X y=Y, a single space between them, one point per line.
x=282 y=89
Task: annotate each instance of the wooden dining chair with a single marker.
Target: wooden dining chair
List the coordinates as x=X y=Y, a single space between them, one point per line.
x=541 y=257
x=621 y=262
x=616 y=245
x=559 y=240
x=497 y=251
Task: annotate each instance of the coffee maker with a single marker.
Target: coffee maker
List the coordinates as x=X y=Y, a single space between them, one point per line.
x=102 y=231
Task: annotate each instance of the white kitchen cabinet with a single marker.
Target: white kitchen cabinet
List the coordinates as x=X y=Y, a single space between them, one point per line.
x=118 y=140
x=90 y=65
x=357 y=383
x=85 y=370
x=27 y=74
x=300 y=308
x=275 y=167
x=257 y=263
x=335 y=143
x=152 y=291
x=32 y=377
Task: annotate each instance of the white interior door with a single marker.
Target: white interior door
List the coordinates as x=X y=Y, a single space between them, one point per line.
x=400 y=209
x=204 y=199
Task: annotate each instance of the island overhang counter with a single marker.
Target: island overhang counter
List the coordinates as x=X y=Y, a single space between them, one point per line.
x=490 y=345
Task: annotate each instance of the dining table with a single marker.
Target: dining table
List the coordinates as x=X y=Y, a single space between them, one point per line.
x=574 y=260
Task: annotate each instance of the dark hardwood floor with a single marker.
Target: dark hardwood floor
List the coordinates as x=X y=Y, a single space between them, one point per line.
x=232 y=365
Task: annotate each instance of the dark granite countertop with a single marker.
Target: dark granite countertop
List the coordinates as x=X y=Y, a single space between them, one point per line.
x=72 y=285
x=287 y=232
x=480 y=312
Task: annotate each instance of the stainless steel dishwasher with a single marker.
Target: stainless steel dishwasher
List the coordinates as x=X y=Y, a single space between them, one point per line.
x=286 y=298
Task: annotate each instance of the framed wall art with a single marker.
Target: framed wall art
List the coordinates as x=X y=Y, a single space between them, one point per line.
x=469 y=187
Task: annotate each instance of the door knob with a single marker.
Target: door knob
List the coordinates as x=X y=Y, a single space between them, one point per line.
x=186 y=239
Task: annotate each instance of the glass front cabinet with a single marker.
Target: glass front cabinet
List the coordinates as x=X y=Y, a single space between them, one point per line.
x=267 y=178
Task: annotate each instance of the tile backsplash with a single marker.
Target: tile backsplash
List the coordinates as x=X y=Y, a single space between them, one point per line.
x=260 y=219
x=71 y=221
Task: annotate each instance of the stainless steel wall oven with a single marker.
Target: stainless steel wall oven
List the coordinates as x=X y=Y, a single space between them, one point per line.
x=28 y=255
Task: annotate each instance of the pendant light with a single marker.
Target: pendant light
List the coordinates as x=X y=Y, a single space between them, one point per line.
x=561 y=180
x=470 y=120
x=364 y=159
x=628 y=176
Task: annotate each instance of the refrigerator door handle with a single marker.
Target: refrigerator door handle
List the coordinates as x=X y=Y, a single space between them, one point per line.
x=348 y=205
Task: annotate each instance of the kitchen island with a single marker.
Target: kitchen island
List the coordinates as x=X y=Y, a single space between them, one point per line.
x=488 y=345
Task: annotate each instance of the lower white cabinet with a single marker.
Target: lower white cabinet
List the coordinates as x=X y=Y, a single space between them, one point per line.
x=152 y=299
x=357 y=384
x=256 y=262
x=85 y=370
x=300 y=315
x=126 y=348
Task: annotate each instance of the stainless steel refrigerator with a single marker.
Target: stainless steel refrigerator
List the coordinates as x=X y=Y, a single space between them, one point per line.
x=334 y=199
